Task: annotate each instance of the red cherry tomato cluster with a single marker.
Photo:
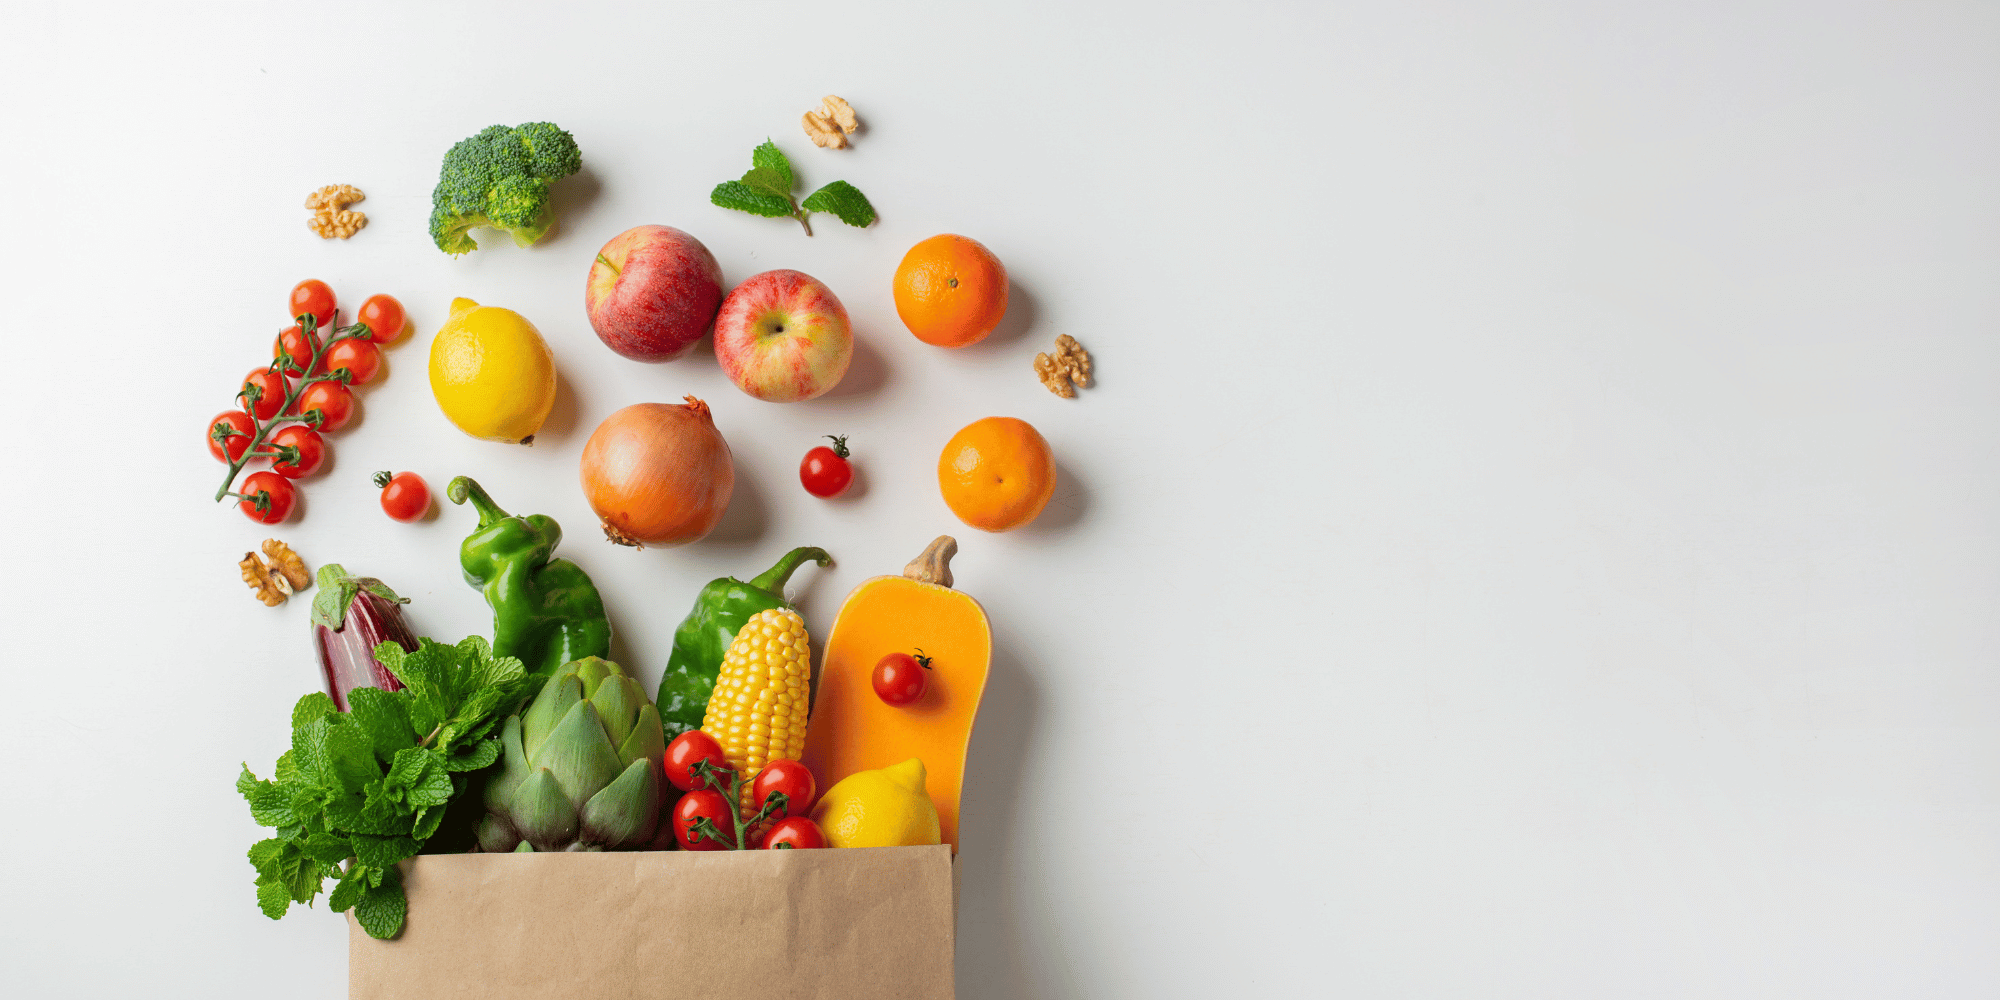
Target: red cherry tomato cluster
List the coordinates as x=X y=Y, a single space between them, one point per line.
x=706 y=818
x=303 y=393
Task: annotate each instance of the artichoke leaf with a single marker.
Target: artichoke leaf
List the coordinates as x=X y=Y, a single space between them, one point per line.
x=579 y=754
x=561 y=692
x=647 y=739
x=542 y=813
x=618 y=699
x=626 y=812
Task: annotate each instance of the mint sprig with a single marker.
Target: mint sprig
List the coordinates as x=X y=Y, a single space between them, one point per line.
x=766 y=190
x=362 y=790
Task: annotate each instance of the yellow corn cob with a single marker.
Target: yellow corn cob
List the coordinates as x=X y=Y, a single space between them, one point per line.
x=758 y=708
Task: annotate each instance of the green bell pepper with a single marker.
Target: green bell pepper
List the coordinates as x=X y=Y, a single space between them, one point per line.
x=545 y=610
x=703 y=638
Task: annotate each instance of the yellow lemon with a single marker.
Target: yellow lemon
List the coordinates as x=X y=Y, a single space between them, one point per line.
x=885 y=808
x=491 y=372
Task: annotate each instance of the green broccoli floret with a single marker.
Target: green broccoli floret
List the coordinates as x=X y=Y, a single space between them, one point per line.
x=501 y=178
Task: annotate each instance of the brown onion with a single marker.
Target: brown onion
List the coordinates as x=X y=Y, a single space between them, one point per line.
x=658 y=473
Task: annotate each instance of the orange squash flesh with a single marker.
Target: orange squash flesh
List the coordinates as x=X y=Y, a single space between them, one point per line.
x=853 y=730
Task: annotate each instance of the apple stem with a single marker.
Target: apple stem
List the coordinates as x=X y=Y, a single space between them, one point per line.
x=614 y=268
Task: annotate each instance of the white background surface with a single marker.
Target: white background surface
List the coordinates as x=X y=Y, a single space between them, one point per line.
x=1535 y=535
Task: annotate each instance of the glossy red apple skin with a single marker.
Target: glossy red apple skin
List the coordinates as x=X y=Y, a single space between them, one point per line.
x=652 y=293
x=782 y=337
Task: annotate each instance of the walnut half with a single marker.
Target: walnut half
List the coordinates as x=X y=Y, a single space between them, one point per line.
x=277 y=579
x=1070 y=364
x=831 y=123
x=330 y=215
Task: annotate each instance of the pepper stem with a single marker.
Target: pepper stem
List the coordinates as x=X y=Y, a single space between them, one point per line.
x=773 y=579
x=934 y=566
x=463 y=489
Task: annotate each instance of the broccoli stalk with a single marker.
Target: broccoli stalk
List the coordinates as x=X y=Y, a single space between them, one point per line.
x=501 y=178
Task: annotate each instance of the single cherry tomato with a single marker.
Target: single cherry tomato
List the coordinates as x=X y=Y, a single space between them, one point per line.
x=359 y=357
x=709 y=804
x=312 y=296
x=794 y=832
x=825 y=472
x=307 y=451
x=333 y=401
x=270 y=497
x=405 y=495
x=900 y=678
x=684 y=750
x=383 y=316
x=789 y=777
x=233 y=427
x=293 y=351
x=263 y=393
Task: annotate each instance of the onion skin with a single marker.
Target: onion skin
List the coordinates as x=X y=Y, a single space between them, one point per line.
x=658 y=473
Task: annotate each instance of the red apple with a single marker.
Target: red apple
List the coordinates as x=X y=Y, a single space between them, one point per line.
x=652 y=293
x=781 y=336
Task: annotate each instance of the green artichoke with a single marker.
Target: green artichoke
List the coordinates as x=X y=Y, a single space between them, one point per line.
x=580 y=769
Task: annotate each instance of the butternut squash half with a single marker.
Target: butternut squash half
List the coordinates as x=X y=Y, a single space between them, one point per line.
x=853 y=730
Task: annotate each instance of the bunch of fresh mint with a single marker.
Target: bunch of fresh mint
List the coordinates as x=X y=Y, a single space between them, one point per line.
x=364 y=789
x=767 y=190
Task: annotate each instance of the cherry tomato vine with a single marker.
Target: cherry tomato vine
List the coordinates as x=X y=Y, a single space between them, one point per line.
x=262 y=443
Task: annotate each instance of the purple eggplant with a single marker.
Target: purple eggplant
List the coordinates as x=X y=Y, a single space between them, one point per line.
x=351 y=616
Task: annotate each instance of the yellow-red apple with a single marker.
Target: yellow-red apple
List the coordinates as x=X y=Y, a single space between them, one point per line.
x=782 y=336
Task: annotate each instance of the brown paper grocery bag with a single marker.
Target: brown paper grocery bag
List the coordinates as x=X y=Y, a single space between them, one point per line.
x=728 y=925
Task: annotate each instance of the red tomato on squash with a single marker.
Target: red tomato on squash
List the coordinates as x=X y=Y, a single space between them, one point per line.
x=709 y=804
x=900 y=678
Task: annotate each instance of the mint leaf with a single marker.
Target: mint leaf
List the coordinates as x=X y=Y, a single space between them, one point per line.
x=326 y=848
x=377 y=816
x=273 y=897
x=765 y=181
x=428 y=824
x=382 y=852
x=385 y=717
x=737 y=195
x=270 y=804
x=313 y=706
x=768 y=157
x=382 y=908
x=347 y=893
x=482 y=754
x=349 y=758
x=844 y=201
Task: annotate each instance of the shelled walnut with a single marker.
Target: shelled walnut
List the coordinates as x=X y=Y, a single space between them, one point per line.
x=830 y=125
x=330 y=215
x=1070 y=364
x=274 y=581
